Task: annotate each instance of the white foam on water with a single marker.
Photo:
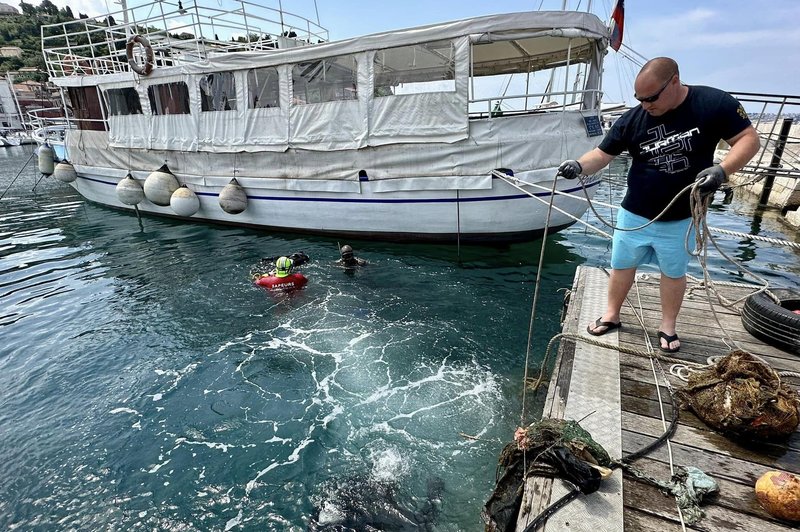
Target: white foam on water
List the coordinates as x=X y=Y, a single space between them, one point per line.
x=156 y=467
x=122 y=410
x=294 y=457
x=359 y=338
x=234 y=522
x=224 y=447
x=389 y=465
x=330 y=514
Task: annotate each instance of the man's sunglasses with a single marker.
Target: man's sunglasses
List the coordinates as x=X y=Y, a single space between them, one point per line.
x=654 y=97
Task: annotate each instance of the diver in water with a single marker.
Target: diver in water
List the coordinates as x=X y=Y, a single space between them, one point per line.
x=282 y=279
x=348 y=260
x=363 y=503
x=297 y=258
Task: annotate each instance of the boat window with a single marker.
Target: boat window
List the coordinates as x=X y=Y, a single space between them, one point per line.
x=530 y=74
x=327 y=80
x=218 y=92
x=262 y=88
x=428 y=67
x=123 y=102
x=169 y=98
x=87 y=108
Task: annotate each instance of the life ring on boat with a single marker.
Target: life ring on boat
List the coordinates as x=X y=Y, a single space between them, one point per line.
x=775 y=323
x=149 y=57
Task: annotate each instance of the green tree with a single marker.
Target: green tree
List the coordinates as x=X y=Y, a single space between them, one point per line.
x=48 y=8
x=27 y=9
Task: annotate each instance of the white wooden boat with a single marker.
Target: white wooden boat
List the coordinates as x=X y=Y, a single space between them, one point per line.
x=392 y=135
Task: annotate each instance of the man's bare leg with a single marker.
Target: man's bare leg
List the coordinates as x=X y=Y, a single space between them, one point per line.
x=618 y=287
x=672 y=291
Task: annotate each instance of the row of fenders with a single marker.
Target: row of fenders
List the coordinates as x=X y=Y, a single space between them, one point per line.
x=161 y=188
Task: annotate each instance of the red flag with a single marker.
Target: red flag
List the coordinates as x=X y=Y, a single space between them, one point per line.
x=617 y=22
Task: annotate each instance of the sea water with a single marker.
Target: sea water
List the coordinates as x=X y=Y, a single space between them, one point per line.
x=146 y=383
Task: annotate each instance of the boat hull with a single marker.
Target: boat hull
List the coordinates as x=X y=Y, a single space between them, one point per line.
x=501 y=213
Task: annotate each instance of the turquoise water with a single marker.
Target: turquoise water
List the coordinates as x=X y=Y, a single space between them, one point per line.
x=145 y=383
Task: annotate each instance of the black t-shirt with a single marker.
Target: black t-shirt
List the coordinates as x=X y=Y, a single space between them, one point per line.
x=669 y=151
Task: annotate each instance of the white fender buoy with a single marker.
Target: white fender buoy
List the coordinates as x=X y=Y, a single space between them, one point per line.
x=232 y=198
x=65 y=172
x=46 y=159
x=129 y=191
x=159 y=186
x=184 y=201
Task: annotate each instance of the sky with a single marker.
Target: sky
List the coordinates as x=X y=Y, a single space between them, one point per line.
x=736 y=45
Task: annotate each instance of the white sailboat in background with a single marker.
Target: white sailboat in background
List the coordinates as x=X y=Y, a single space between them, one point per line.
x=260 y=121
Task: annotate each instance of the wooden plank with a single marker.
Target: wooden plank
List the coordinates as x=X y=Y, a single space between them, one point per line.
x=639 y=521
x=707 y=440
x=734 y=495
x=717 y=518
x=714 y=464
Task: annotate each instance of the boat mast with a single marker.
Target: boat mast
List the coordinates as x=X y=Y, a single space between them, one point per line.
x=16 y=100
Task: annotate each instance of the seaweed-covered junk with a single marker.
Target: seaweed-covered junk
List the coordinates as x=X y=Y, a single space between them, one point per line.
x=551 y=447
x=743 y=396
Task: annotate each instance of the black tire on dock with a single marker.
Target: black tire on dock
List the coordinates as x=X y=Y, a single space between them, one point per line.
x=775 y=324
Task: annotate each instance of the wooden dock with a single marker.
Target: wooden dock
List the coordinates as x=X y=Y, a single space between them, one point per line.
x=617 y=395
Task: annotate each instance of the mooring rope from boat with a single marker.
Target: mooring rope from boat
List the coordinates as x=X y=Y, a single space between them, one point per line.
x=533 y=304
x=523 y=413
x=36 y=184
x=591 y=201
x=18 y=174
x=510 y=180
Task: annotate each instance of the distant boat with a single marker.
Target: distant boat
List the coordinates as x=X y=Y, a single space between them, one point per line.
x=393 y=135
x=9 y=141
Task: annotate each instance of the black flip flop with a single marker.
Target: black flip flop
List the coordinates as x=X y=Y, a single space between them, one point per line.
x=669 y=339
x=609 y=326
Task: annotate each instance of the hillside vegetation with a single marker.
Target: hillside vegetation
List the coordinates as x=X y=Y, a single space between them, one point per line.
x=24 y=30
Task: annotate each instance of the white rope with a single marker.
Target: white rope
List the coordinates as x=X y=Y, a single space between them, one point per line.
x=771 y=240
x=510 y=180
x=514 y=181
x=533 y=310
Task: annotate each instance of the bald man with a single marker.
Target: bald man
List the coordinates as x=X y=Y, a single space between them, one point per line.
x=671 y=137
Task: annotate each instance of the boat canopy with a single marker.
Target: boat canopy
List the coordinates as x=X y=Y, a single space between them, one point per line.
x=408 y=86
x=530 y=38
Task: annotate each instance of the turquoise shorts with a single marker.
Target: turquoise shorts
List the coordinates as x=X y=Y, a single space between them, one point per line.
x=661 y=243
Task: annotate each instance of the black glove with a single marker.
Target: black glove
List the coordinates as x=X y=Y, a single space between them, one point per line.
x=710 y=179
x=570 y=169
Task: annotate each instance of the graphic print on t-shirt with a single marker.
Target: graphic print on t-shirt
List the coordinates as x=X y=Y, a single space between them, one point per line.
x=667 y=151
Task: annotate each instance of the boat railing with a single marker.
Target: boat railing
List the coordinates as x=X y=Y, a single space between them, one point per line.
x=775 y=170
x=49 y=124
x=778 y=124
x=177 y=33
x=532 y=102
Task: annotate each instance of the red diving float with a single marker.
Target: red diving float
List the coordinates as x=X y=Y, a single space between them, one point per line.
x=282 y=279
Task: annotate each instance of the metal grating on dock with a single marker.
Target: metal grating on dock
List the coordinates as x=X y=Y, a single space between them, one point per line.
x=618 y=393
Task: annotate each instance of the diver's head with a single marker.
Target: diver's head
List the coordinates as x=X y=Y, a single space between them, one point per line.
x=282 y=266
x=346 y=252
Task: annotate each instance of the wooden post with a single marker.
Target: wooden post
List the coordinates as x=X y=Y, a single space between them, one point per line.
x=776 y=161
